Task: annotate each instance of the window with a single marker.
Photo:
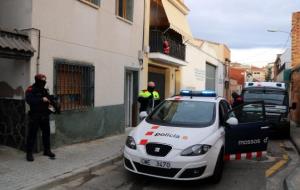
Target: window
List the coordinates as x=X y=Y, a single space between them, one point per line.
x=193 y=114
x=224 y=109
x=74 y=84
x=124 y=9
x=275 y=97
x=95 y=2
x=249 y=113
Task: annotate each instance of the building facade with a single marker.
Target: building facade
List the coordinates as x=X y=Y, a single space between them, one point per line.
x=205 y=69
x=89 y=51
x=295 y=69
x=166 y=32
x=282 y=67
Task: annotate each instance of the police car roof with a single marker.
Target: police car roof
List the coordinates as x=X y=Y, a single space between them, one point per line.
x=278 y=85
x=195 y=98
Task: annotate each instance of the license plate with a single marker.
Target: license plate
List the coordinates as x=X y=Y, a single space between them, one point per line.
x=156 y=163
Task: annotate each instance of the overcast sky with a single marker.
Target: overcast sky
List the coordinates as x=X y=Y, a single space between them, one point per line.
x=242 y=25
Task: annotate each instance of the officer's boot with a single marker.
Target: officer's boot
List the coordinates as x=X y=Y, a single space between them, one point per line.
x=49 y=153
x=29 y=157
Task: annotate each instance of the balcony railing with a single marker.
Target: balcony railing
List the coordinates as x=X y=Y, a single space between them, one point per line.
x=177 y=50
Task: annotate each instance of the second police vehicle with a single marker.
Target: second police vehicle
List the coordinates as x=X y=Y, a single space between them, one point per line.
x=188 y=137
x=276 y=99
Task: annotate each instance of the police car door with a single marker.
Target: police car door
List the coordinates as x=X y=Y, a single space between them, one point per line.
x=247 y=138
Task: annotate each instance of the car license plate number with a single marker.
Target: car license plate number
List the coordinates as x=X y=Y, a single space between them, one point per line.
x=156 y=163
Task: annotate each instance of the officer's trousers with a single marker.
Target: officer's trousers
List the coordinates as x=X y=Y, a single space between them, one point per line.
x=37 y=121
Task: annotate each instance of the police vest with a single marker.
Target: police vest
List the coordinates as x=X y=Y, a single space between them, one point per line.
x=147 y=94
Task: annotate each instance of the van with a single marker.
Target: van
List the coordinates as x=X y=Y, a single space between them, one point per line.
x=276 y=99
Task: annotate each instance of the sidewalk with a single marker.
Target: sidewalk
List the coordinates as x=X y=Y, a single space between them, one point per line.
x=72 y=160
x=292 y=182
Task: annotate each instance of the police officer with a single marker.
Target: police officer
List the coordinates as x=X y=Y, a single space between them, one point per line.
x=237 y=100
x=149 y=98
x=37 y=98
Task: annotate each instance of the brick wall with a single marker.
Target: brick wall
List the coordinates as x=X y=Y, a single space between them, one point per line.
x=295 y=83
x=296 y=39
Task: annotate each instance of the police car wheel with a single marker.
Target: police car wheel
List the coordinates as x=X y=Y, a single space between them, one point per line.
x=218 y=171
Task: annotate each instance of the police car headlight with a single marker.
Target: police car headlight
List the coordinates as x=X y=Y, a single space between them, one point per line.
x=196 y=150
x=130 y=143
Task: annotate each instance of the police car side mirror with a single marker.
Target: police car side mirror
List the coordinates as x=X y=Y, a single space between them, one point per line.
x=232 y=121
x=143 y=115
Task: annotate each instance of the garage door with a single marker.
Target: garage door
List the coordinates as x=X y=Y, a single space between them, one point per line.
x=210 y=82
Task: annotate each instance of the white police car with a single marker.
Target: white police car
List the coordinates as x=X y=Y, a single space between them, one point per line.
x=187 y=137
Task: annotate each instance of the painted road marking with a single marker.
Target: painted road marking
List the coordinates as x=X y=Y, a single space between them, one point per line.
x=277 y=166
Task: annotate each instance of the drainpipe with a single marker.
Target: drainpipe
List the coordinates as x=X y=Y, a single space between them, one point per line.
x=39 y=47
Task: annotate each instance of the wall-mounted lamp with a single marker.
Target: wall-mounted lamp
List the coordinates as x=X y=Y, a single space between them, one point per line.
x=141 y=59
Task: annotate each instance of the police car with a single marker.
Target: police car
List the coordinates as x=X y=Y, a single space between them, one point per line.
x=188 y=137
x=276 y=99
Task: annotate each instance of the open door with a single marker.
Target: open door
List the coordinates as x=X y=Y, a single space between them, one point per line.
x=247 y=137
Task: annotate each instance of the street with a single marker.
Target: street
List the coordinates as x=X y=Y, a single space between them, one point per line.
x=245 y=174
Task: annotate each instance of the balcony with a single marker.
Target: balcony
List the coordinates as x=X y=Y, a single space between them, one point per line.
x=176 y=54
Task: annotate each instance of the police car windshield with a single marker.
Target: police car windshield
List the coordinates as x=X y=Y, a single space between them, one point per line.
x=180 y=113
x=276 y=97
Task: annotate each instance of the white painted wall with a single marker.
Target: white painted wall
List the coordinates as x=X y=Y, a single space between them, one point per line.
x=193 y=75
x=15 y=14
x=73 y=30
x=15 y=73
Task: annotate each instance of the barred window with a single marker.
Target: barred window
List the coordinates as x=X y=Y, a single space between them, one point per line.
x=74 y=84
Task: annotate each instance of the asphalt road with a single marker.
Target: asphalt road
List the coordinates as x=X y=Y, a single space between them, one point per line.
x=245 y=174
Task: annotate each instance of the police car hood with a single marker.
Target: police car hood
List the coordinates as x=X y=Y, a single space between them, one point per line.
x=177 y=137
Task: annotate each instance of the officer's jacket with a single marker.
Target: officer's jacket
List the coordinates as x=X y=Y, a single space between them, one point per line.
x=147 y=94
x=34 y=97
x=145 y=98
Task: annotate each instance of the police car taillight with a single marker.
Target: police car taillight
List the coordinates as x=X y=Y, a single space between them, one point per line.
x=204 y=93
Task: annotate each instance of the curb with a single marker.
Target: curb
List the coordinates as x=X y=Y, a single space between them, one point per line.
x=288 y=181
x=295 y=144
x=77 y=173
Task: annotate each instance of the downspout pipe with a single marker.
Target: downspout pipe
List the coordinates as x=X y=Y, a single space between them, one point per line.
x=39 y=47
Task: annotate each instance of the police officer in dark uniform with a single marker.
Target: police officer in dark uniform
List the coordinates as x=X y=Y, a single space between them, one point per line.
x=38 y=99
x=237 y=100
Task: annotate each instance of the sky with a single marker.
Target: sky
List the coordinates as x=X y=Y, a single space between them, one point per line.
x=242 y=25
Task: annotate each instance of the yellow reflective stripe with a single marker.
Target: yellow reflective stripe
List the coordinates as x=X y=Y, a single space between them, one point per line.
x=144 y=94
x=156 y=95
x=147 y=94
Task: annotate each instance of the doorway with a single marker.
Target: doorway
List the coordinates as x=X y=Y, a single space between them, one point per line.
x=130 y=98
x=158 y=76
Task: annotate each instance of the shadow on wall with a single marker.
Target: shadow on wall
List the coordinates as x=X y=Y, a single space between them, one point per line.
x=8 y=92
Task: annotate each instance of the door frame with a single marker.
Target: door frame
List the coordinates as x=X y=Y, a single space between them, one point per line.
x=135 y=90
